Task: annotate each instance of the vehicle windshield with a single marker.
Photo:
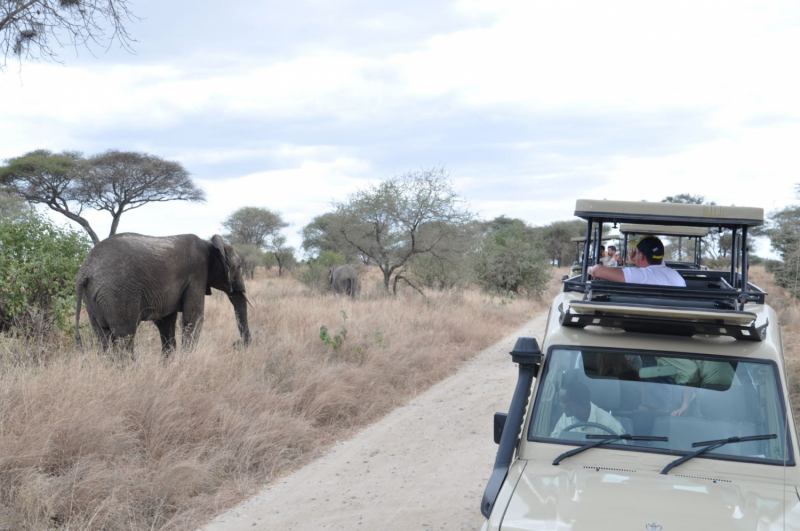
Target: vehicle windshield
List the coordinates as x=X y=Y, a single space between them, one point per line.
x=683 y=398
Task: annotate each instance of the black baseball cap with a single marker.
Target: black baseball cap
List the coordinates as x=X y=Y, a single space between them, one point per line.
x=651 y=247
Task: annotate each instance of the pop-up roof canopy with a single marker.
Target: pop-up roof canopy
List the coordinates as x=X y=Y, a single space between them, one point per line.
x=738 y=220
x=581 y=239
x=669 y=213
x=663 y=230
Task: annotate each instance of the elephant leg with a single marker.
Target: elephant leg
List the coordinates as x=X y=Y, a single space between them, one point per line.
x=192 y=318
x=166 y=328
x=103 y=334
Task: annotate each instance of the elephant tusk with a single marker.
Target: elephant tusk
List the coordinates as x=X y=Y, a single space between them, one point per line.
x=248 y=300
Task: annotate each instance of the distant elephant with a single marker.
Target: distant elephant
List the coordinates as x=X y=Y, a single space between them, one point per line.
x=129 y=278
x=343 y=279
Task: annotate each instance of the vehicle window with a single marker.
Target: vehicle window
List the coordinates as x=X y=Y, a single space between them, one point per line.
x=683 y=398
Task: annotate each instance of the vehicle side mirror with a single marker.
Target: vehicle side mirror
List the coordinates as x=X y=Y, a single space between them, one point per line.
x=499 y=425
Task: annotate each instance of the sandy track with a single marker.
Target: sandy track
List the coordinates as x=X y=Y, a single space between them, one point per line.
x=424 y=466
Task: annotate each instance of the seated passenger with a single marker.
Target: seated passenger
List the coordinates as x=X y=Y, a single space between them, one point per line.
x=698 y=373
x=610 y=259
x=649 y=267
x=577 y=407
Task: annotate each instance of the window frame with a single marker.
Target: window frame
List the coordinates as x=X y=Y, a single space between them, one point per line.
x=789 y=450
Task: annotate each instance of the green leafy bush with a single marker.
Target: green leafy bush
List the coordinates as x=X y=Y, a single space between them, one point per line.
x=510 y=260
x=38 y=265
x=315 y=273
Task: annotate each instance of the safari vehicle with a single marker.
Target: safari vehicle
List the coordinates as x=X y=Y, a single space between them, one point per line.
x=693 y=234
x=652 y=408
x=577 y=266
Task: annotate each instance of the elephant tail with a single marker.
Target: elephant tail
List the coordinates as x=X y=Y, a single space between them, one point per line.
x=78 y=299
x=353 y=287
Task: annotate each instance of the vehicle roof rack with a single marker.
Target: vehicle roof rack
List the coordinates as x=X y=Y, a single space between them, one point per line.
x=664 y=230
x=672 y=213
x=581 y=239
x=643 y=318
x=736 y=219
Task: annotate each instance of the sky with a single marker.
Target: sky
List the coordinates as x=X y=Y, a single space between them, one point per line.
x=529 y=105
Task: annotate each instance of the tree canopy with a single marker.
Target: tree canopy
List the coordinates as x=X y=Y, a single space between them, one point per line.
x=32 y=29
x=113 y=181
x=402 y=217
x=254 y=225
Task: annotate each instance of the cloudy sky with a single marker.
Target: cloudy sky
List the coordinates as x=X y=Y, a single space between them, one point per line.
x=529 y=104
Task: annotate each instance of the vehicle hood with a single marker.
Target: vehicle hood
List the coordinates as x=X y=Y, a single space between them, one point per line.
x=578 y=498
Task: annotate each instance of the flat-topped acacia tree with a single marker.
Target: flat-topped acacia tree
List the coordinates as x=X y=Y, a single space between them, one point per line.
x=114 y=181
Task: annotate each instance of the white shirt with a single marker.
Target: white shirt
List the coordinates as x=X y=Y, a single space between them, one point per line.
x=596 y=415
x=659 y=275
x=609 y=261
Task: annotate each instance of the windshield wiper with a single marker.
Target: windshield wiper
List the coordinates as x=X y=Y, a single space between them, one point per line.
x=605 y=439
x=713 y=445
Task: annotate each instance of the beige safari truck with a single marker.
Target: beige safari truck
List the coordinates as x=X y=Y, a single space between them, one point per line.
x=651 y=408
x=693 y=235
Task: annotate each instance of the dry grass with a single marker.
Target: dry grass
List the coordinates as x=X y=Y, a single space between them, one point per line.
x=789 y=315
x=87 y=442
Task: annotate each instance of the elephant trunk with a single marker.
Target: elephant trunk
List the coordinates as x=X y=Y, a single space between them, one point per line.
x=239 y=301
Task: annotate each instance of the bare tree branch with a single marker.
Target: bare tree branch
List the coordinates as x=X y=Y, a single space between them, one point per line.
x=36 y=29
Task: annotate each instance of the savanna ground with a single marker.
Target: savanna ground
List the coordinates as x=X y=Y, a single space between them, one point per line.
x=89 y=441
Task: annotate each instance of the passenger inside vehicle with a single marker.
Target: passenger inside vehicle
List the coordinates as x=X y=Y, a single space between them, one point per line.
x=649 y=269
x=581 y=415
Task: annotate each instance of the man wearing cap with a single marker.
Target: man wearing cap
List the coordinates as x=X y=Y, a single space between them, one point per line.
x=649 y=267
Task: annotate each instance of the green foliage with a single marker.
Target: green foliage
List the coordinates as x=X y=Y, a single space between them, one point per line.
x=254 y=225
x=783 y=229
x=38 y=265
x=13 y=206
x=513 y=260
x=336 y=340
x=556 y=240
x=329 y=258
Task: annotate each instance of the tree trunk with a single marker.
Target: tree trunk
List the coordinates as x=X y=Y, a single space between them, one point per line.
x=401 y=277
x=80 y=221
x=115 y=224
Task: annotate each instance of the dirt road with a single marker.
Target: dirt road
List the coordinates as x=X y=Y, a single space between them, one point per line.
x=424 y=466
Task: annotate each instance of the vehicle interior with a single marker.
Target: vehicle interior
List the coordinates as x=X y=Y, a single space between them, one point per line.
x=725 y=398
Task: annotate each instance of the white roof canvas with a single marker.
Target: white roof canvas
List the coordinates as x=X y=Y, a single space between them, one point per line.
x=677 y=213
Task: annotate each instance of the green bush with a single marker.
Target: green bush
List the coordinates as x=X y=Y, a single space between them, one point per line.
x=510 y=260
x=38 y=265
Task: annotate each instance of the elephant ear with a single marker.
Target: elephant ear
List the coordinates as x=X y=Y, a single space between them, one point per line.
x=219 y=269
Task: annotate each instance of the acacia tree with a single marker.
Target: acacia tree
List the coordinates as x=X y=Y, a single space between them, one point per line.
x=323 y=234
x=402 y=217
x=113 y=181
x=254 y=225
x=31 y=29
x=261 y=228
x=283 y=254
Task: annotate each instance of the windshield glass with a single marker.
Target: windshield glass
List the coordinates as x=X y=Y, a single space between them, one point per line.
x=684 y=398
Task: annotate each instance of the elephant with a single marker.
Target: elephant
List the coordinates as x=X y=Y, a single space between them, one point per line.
x=128 y=278
x=343 y=279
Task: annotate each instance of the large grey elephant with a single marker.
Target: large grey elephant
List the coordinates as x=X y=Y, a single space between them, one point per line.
x=343 y=279
x=129 y=278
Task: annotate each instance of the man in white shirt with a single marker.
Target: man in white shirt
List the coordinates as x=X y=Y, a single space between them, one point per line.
x=649 y=267
x=610 y=259
x=577 y=406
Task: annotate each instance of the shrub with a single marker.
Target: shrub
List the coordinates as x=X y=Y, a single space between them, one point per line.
x=434 y=272
x=511 y=260
x=38 y=265
x=315 y=274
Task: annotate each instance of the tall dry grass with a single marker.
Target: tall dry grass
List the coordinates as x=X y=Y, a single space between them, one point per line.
x=788 y=310
x=91 y=442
